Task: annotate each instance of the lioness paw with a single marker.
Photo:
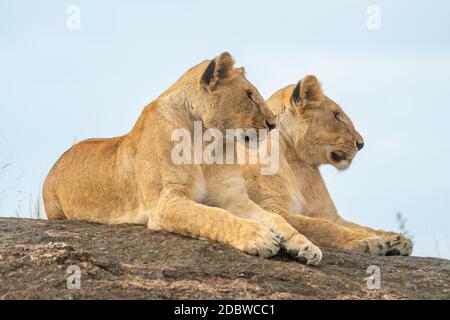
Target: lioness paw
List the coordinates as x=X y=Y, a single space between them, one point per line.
x=258 y=241
x=398 y=244
x=372 y=245
x=303 y=250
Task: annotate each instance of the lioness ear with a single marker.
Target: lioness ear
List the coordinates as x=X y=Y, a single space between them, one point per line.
x=307 y=89
x=219 y=69
x=241 y=71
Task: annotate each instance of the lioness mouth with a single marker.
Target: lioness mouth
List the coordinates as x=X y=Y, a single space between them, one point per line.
x=336 y=157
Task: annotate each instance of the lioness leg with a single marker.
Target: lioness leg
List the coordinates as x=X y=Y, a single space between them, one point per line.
x=326 y=233
x=398 y=244
x=296 y=244
x=329 y=234
x=179 y=214
x=229 y=192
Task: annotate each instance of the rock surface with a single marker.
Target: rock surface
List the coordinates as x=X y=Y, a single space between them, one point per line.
x=132 y=262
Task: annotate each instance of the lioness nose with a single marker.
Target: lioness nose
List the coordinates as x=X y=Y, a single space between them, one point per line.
x=270 y=125
x=359 y=145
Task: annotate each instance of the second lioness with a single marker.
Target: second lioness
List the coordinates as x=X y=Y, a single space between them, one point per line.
x=314 y=130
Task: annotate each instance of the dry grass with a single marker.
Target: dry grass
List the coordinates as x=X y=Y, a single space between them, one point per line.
x=3 y=167
x=401 y=221
x=34 y=206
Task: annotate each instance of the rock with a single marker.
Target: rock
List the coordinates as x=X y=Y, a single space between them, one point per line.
x=128 y=261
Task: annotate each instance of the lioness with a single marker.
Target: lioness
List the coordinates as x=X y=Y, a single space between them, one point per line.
x=314 y=131
x=132 y=178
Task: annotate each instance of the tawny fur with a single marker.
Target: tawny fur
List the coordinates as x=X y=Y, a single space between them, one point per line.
x=312 y=128
x=132 y=179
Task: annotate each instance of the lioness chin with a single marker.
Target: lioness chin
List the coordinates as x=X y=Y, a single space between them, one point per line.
x=132 y=178
x=314 y=130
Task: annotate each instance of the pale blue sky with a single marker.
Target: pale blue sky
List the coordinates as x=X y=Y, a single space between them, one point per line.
x=58 y=85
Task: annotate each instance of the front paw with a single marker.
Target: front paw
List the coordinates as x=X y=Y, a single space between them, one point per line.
x=257 y=240
x=302 y=249
x=398 y=244
x=372 y=245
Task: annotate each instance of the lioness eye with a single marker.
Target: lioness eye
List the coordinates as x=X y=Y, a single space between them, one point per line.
x=250 y=96
x=336 y=115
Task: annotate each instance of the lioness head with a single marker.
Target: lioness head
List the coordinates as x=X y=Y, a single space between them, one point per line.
x=229 y=100
x=317 y=126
